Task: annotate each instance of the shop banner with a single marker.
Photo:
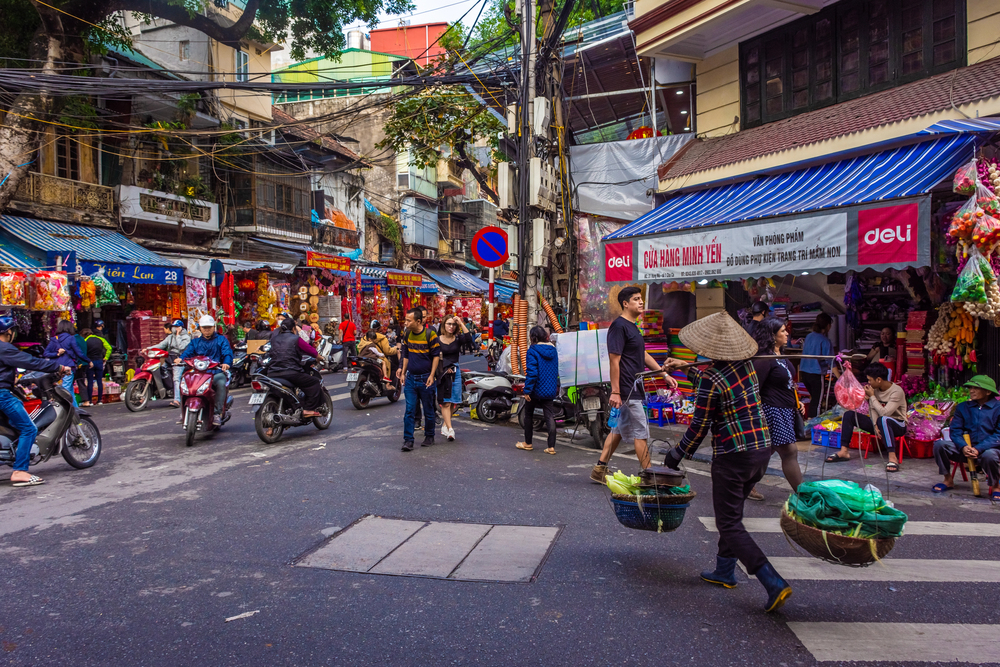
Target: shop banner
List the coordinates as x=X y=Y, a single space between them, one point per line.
x=401 y=279
x=136 y=274
x=765 y=249
x=323 y=261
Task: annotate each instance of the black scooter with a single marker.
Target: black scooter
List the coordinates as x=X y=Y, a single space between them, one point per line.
x=240 y=368
x=277 y=403
x=366 y=381
x=62 y=427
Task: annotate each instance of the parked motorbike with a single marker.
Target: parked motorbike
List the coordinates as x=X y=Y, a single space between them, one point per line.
x=239 y=370
x=593 y=406
x=153 y=381
x=117 y=365
x=491 y=394
x=366 y=381
x=198 y=398
x=62 y=427
x=565 y=411
x=332 y=355
x=493 y=350
x=277 y=403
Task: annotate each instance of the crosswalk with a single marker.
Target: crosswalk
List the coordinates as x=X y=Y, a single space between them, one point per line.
x=870 y=640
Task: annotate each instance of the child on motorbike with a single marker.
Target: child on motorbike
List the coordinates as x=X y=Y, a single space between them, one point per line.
x=370 y=350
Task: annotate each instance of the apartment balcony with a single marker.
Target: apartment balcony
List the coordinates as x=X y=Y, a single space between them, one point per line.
x=65 y=200
x=166 y=208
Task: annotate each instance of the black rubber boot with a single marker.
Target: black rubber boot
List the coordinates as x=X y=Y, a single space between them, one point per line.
x=725 y=573
x=778 y=590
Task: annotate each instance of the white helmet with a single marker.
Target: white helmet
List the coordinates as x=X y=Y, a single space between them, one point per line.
x=206 y=321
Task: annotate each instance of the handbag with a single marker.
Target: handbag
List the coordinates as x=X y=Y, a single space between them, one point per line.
x=801 y=433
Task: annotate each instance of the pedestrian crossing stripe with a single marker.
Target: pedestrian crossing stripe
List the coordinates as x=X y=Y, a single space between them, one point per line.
x=943 y=570
x=925 y=528
x=899 y=642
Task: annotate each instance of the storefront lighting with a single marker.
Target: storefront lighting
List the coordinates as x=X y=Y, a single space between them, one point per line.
x=805 y=273
x=684 y=113
x=703 y=281
x=680 y=92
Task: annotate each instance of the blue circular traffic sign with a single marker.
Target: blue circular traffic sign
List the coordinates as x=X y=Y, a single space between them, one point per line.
x=489 y=247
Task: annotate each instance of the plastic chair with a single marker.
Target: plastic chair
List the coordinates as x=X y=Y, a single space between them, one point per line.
x=865 y=442
x=958 y=467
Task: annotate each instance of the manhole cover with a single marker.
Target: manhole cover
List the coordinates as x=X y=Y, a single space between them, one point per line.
x=442 y=550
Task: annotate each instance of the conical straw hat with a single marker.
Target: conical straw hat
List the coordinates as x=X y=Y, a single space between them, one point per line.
x=719 y=336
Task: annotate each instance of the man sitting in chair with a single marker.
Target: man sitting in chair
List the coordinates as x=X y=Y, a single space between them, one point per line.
x=978 y=418
x=886 y=417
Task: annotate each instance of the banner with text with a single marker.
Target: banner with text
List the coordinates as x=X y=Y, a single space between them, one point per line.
x=136 y=274
x=403 y=279
x=786 y=246
x=332 y=262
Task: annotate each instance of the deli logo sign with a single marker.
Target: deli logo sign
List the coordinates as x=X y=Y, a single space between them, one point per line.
x=887 y=235
x=617 y=261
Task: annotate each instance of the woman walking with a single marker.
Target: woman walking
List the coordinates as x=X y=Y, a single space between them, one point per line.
x=63 y=348
x=453 y=338
x=778 y=396
x=541 y=386
x=812 y=371
x=98 y=351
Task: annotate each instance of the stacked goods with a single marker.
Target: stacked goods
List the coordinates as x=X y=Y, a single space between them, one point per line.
x=651 y=323
x=515 y=338
x=916 y=361
x=842 y=523
x=951 y=339
x=522 y=332
x=679 y=351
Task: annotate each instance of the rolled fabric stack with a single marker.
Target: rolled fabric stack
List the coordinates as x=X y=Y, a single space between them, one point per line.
x=515 y=357
x=553 y=320
x=522 y=330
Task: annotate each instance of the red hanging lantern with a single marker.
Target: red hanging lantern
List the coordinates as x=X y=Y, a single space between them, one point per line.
x=248 y=284
x=644 y=132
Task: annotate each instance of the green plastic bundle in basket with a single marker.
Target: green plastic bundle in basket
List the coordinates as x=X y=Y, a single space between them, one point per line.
x=844 y=508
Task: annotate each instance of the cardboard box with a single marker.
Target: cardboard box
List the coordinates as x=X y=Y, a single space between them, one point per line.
x=255 y=345
x=710 y=297
x=705 y=312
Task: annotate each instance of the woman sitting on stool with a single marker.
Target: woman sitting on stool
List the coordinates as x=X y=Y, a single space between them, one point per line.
x=887 y=404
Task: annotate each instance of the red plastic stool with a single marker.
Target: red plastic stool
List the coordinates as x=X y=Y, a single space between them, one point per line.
x=865 y=441
x=956 y=466
x=901 y=446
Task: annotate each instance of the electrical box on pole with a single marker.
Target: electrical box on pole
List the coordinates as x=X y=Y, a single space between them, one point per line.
x=543 y=117
x=506 y=185
x=543 y=186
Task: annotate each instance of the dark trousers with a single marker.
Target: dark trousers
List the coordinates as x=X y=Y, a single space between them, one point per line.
x=889 y=428
x=350 y=348
x=814 y=384
x=549 y=410
x=946 y=452
x=733 y=477
x=96 y=373
x=310 y=386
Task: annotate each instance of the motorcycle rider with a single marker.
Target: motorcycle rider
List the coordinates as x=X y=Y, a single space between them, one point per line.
x=174 y=344
x=287 y=348
x=214 y=346
x=10 y=360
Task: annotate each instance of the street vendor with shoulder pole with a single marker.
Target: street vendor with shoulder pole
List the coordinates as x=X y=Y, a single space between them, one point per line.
x=728 y=403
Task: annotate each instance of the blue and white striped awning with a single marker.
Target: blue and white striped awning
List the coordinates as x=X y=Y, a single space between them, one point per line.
x=504 y=293
x=90 y=243
x=900 y=172
x=963 y=125
x=13 y=257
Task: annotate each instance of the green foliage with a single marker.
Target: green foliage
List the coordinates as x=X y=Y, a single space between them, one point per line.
x=20 y=22
x=109 y=34
x=78 y=112
x=391 y=231
x=188 y=103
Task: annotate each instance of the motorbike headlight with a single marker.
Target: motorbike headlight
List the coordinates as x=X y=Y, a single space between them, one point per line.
x=201 y=365
x=204 y=387
x=184 y=389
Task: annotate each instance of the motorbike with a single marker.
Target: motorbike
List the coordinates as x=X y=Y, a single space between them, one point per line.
x=117 y=365
x=594 y=407
x=62 y=427
x=277 y=403
x=239 y=370
x=153 y=381
x=198 y=398
x=366 y=381
x=331 y=354
x=565 y=411
x=491 y=394
x=494 y=349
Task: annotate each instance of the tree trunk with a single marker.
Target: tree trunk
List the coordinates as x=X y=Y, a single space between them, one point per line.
x=19 y=133
x=467 y=163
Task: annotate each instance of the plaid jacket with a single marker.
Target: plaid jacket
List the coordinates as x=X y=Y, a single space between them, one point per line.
x=728 y=401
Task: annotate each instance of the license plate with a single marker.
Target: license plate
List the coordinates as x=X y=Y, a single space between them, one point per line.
x=592 y=403
x=258 y=398
x=353 y=377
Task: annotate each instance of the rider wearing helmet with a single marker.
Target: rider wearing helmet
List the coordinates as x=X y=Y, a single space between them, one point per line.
x=10 y=360
x=287 y=348
x=216 y=348
x=174 y=344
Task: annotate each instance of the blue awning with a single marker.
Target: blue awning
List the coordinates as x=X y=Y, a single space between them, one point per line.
x=428 y=287
x=504 y=293
x=456 y=280
x=890 y=174
x=12 y=255
x=964 y=125
x=123 y=260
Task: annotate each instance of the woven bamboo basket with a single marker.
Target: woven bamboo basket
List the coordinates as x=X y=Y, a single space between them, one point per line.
x=834 y=548
x=661 y=514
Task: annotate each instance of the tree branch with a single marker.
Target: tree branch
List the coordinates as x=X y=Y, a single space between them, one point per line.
x=203 y=24
x=474 y=168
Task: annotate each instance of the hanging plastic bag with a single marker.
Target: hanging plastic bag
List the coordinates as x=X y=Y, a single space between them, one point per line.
x=12 y=292
x=986 y=200
x=965 y=179
x=850 y=394
x=964 y=220
x=987 y=231
x=106 y=295
x=971 y=284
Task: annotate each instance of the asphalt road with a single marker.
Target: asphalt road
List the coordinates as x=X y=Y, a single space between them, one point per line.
x=143 y=558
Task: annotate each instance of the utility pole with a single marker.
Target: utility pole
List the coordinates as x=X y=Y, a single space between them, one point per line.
x=525 y=265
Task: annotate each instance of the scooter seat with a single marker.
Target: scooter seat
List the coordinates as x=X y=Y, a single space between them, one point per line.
x=284 y=383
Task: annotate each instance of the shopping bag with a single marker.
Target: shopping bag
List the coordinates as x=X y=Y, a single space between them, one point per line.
x=964 y=220
x=965 y=179
x=971 y=283
x=849 y=392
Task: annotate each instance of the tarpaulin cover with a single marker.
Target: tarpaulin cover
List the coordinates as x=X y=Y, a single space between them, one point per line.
x=612 y=178
x=837 y=506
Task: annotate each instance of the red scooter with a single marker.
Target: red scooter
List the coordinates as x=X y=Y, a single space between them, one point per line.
x=198 y=398
x=152 y=380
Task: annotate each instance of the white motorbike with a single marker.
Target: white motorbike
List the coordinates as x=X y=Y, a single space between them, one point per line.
x=492 y=395
x=332 y=357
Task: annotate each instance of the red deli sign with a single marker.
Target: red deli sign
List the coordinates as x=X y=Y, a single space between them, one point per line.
x=617 y=261
x=888 y=234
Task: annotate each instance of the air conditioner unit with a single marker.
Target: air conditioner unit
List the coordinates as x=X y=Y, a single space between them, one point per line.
x=429 y=253
x=505 y=184
x=457 y=246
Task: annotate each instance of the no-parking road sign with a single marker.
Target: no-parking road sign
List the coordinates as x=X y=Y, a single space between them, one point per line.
x=489 y=247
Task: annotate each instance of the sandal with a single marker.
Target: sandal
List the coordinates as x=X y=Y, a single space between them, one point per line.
x=891 y=467
x=552 y=450
x=524 y=446
x=34 y=480
x=941 y=487
x=995 y=495
x=837 y=458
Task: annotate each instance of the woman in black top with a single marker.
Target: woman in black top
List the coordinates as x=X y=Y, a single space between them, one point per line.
x=885 y=348
x=452 y=339
x=777 y=395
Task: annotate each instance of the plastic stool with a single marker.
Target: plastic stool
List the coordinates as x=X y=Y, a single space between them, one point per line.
x=865 y=441
x=956 y=466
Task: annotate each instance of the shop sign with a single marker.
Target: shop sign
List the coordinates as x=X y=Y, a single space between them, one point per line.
x=888 y=234
x=786 y=246
x=136 y=274
x=324 y=261
x=401 y=279
x=618 y=261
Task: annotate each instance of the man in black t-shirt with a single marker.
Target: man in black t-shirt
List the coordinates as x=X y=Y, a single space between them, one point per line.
x=627 y=352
